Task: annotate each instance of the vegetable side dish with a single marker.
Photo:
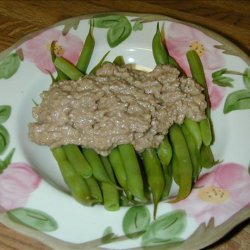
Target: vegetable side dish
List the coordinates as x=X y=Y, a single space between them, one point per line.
x=121 y=136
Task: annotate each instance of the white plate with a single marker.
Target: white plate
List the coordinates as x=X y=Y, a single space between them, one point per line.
x=32 y=190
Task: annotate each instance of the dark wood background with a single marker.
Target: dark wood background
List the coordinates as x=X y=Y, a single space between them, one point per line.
x=230 y=18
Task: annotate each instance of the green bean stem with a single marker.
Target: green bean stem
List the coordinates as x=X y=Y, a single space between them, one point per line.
x=68 y=68
x=77 y=160
x=77 y=186
x=87 y=51
x=185 y=168
x=133 y=172
x=154 y=175
x=99 y=64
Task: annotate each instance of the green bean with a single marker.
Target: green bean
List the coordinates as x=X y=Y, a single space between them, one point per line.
x=118 y=167
x=110 y=197
x=60 y=74
x=77 y=186
x=184 y=162
x=159 y=50
x=133 y=172
x=99 y=64
x=198 y=74
x=154 y=175
x=68 y=68
x=206 y=132
x=193 y=152
x=164 y=152
x=119 y=60
x=196 y=67
x=175 y=169
x=95 y=162
x=87 y=51
x=108 y=168
x=207 y=158
x=167 y=171
x=95 y=190
x=194 y=130
x=77 y=160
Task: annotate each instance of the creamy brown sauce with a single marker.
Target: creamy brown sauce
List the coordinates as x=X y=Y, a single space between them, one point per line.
x=117 y=105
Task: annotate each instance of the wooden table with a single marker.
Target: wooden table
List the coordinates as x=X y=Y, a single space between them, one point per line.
x=228 y=17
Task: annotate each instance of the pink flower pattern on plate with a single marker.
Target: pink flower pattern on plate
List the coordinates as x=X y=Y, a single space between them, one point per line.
x=37 y=49
x=16 y=184
x=218 y=194
x=180 y=39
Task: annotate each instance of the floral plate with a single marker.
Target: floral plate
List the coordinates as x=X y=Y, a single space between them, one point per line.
x=33 y=197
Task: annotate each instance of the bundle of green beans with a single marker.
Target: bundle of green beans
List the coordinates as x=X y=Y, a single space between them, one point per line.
x=189 y=142
x=125 y=177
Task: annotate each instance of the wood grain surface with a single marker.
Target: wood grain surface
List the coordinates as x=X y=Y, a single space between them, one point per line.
x=229 y=18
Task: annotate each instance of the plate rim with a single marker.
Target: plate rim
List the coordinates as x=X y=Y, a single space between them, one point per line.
x=215 y=35
x=242 y=54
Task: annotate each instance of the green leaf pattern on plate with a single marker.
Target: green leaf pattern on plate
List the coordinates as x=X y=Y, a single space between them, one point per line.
x=9 y=66
x=119 y=32
x=105 y=21
x=137 y=26
x=108 y=235
x=72 y=23
x=136 y=221
x=4 y=138
x=119 y=27
x=5 y=111
x=35 y=219
x=237 y=100
x=165 y=229
x=246 y=78
x=7 y=160
x=223 y=81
